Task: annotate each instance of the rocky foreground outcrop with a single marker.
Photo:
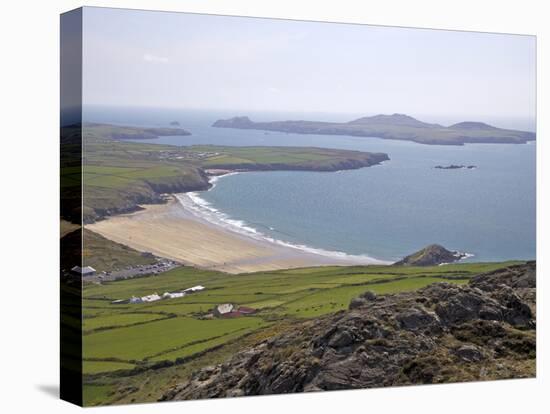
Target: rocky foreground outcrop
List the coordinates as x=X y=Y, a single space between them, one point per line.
x=484 y=330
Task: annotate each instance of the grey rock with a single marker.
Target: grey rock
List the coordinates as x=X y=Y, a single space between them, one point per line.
x=341 y=338
x=357 y=303
x=469 y=353
x=417 y=319
x=368 y=296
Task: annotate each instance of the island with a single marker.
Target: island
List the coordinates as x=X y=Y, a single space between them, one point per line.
x=455 y=167
x=396 y=127
x=174 y=123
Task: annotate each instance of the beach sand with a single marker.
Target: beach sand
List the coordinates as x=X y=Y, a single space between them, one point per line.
x=170 y=231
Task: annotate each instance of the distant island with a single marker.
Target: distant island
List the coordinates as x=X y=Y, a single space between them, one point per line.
x=174 y=123
x=396 y=126
x=455 y=167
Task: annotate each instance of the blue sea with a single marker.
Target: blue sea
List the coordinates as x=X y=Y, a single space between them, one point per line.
x=384 y=212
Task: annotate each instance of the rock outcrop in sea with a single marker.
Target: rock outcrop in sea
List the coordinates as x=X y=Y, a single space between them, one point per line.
x=431 y=255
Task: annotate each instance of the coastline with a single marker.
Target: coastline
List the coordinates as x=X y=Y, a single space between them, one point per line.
x=174 y=231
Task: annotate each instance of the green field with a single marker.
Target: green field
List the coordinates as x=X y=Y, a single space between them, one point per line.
x=93 y=367
x=266 y=158
x=108 y=320
x=150 y=340
x=174 y=328
x=97 y=394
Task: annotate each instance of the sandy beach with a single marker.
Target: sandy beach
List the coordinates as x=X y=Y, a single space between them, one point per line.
x=170 y=231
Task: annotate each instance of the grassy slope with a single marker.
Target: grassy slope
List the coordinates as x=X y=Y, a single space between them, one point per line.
x=100 y=253
x=118 y=176
x=66 y=227
x=140 y=335
x=105 y=255
x=288 y=158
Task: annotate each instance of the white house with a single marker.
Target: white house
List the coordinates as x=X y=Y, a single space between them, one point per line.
x=223 y=309
x=173 y=295
x=151 y=298
x=83 y=271
x=194 y=289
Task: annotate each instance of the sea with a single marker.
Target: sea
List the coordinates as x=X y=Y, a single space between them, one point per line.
x=384 y=212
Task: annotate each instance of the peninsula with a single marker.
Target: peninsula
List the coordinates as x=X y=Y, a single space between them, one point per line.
x=396 y=127
x=118 y=132
x=120 y=175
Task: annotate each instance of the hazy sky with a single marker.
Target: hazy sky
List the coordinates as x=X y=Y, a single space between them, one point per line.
x=196 y=61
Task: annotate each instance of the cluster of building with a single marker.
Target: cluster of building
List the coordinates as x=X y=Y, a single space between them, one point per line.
x=91 y=275
x=186 y=155
x=155 y=296
x=228 y=310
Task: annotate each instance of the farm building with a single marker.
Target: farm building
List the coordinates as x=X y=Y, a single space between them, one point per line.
x=245 y=310
x=228 y=310
x=83 y=271
x=223 y=309
x=194 y=289
x=173 y=295
x=151 y=298
x=134 y=300
x=234 y=314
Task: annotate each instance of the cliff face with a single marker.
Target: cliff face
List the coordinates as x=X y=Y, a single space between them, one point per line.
x=484 y=330
x=101 y=203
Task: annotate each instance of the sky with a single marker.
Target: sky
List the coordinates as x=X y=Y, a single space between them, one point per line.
x=177 y=60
